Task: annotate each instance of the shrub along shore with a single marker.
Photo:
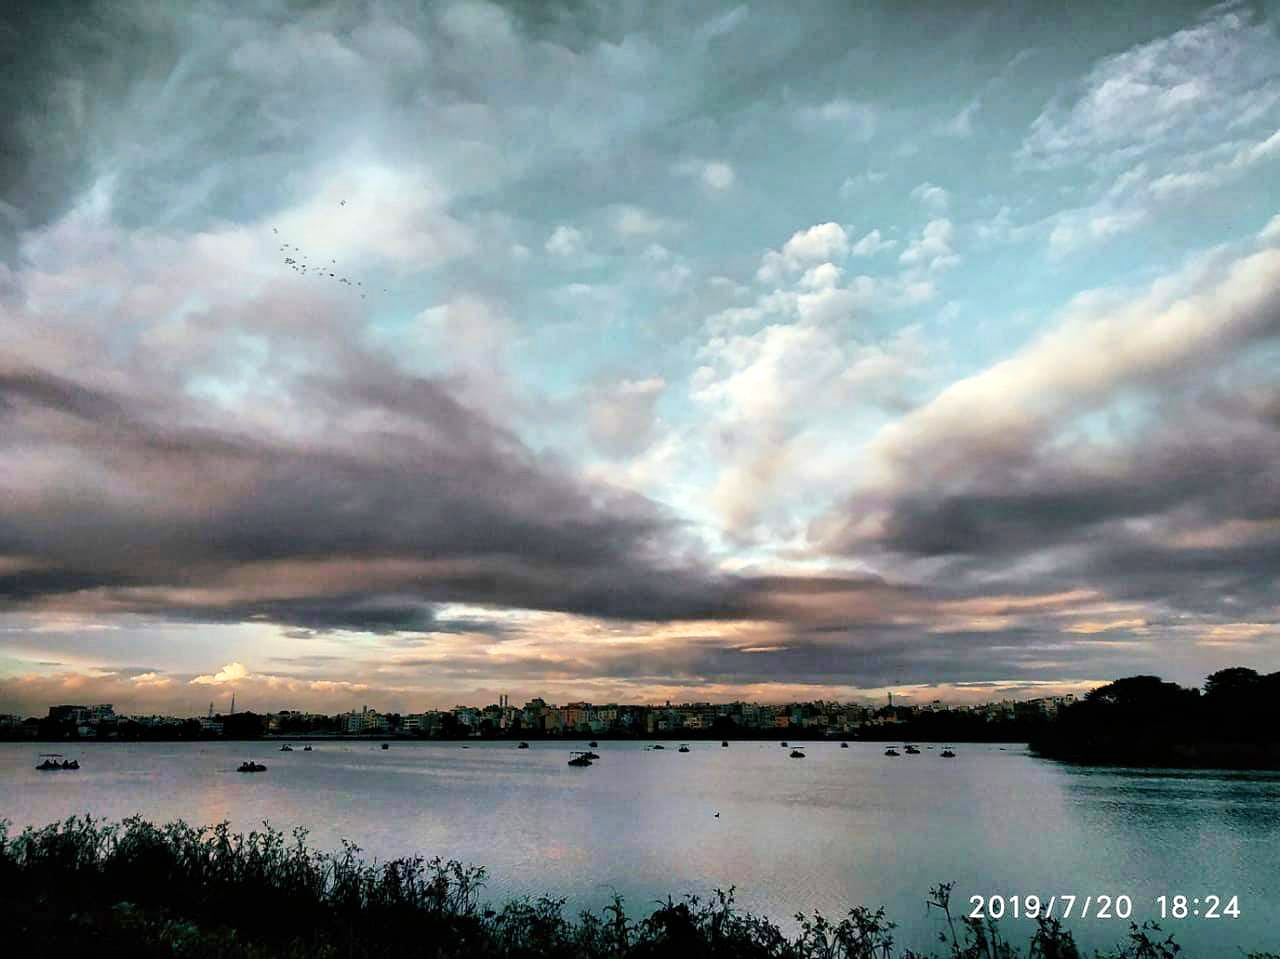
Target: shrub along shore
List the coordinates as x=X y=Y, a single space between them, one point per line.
x=85 y=886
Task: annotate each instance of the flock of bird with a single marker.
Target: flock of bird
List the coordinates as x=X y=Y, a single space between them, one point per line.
x=297 y=261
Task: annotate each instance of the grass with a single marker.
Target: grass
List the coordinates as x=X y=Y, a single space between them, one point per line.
x=179 y=890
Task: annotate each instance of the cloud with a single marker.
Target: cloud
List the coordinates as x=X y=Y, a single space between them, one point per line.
x=932 y=250
x=871 y=244
x=1175 y=90
x=230 y=673
x=1074 y=232
x=152 y=680
x=852 y=185
x=932 y=196
x=841 y=116
x=823 y=241
x=620 y=415
x=631 y=221
x=768 y=391
x=1012 y=476
x=198 y=444
x=715 y=175
x=565 y=241
x=961 y=125
x=718 y=175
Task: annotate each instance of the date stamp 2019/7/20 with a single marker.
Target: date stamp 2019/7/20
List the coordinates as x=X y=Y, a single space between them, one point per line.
x=1102 y=906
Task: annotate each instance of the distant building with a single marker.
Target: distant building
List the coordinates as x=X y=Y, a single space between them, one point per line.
x=68 y=714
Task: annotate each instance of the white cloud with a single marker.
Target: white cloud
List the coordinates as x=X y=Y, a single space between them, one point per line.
x=1186 y=87
x=961 y=125
x=674 y=278
x=766 y=392
x=1182 y=320
x=1203 y=178
x=230 y=673
x=822 y=277
x=565 y=241
x=1082 y=228
x=151 y=680
x=819 y=242
x=855 y=184
x=934 y=197
x=656 y=253
x=1271 y=232
x=635 y=221
x=871 y=244
x=824 y=241
x=841 y=115
x=1268 y=149
x=718 y=176
x=621 y=415
x=932 y=250
x=368 y=212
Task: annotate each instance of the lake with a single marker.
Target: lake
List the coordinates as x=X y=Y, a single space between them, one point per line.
x=841 y=827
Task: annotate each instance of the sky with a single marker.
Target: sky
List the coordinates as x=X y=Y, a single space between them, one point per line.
x=412 y=354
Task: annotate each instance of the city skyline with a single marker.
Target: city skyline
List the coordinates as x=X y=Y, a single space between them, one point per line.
x=503 y=704
x=426 y=353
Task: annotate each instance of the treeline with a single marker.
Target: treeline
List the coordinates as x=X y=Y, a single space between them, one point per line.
x=1234 y=722
x=238 y=726
x=86 y=887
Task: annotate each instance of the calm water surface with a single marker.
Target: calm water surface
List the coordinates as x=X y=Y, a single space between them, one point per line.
x=840 y=828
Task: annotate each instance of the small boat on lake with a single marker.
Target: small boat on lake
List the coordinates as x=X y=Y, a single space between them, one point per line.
x=286 y=748
x=580 y=759
x=306 y=748
x=50 y=763
x=724 y=744
x=783 y=744
x=385 y=746
x=70 y=764
x=683 y=749
x=659 y=746
x=591 y=755
x=844 y=745
x=251 y=767
x=891 y=751
x=912 y=750
x=948 y=753
x=593 y=744
x=797 y=754
x=523 y=746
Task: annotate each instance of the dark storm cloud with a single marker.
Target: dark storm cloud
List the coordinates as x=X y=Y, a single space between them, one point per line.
x=1182 y=512
x=65 y=67
x=1218 y=465
x=145 y=513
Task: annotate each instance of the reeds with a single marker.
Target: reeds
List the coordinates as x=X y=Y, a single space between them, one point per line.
x=179 y=890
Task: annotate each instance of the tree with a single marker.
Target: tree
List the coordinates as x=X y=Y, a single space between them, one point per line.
x=1140 y=692
x=1235 y=682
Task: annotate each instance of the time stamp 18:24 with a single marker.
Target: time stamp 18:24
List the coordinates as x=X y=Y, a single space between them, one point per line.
x=1101 y=907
